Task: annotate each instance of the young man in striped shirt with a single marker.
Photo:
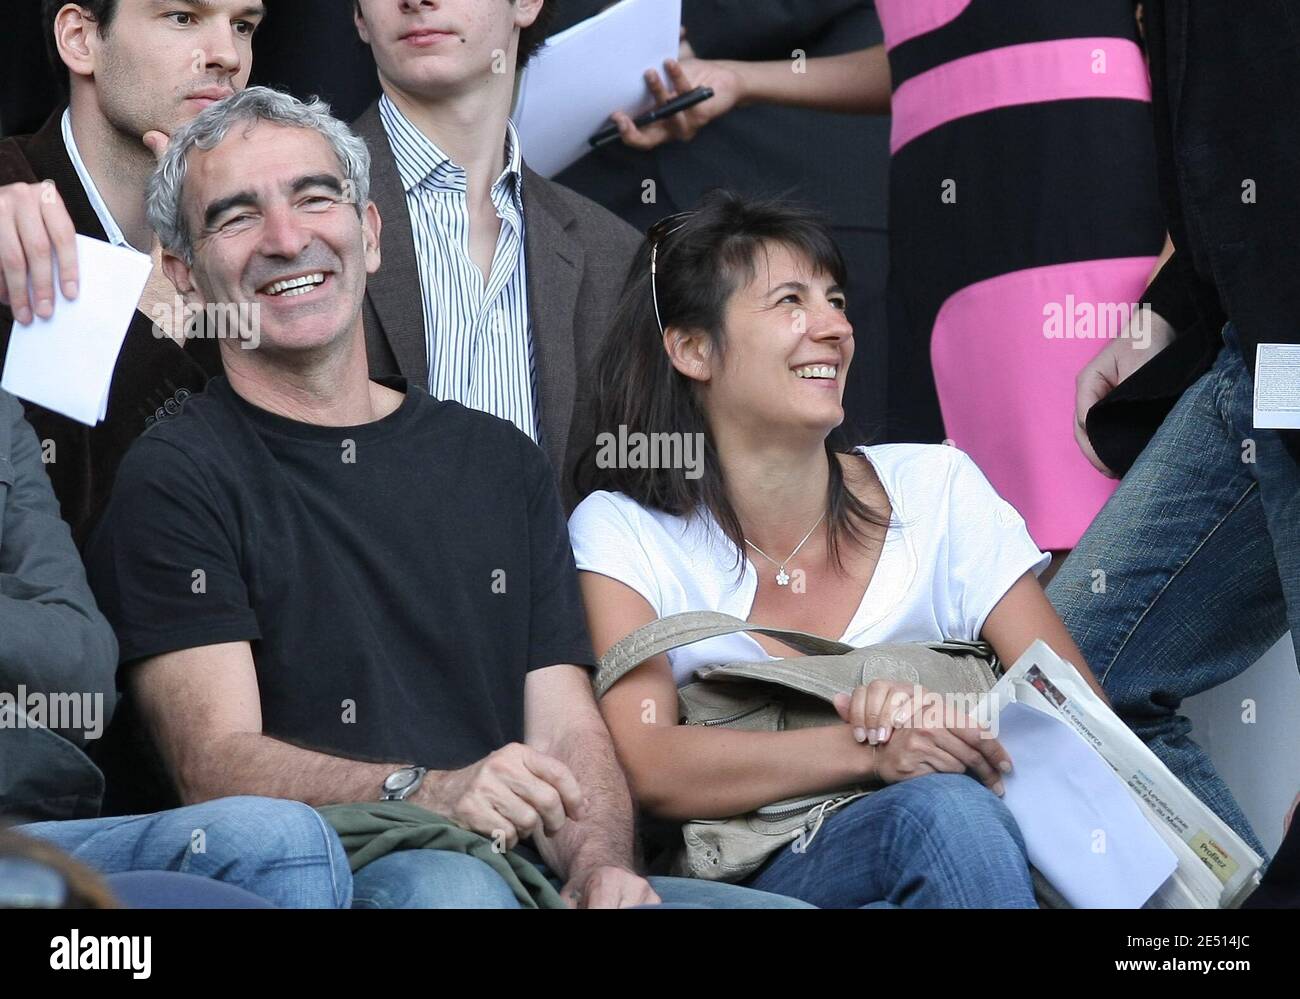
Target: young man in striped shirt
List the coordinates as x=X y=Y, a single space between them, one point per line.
x=517 y=275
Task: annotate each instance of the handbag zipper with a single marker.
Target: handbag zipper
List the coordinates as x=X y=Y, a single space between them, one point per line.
x=817 y=809
x=709 y=722
x=802 y=805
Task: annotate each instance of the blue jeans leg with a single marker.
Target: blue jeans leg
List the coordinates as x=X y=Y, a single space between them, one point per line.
x=1175 y=587
x=693 y=893
x=1279 y=491
x=934 y=842
x=430 y=879
x=174 y=890
x=282 y=851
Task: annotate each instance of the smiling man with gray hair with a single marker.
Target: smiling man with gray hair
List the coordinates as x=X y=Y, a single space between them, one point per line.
x=259 y=104
x=348 y=590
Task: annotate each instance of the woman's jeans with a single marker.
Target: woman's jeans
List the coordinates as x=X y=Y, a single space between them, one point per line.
x=281 y=851
x=1191 y=571
x=942 y=841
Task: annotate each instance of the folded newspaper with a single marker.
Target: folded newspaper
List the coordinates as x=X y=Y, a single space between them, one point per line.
x=1216 y=869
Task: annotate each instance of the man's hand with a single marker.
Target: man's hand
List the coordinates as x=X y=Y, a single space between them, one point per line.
x=1120 y=358
x=35 y=232
x=608 y=887
x=157 y=142
x=507 y=796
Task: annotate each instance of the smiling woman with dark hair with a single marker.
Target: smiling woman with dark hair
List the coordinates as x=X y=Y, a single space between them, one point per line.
x=712 y=253
x=732 y=327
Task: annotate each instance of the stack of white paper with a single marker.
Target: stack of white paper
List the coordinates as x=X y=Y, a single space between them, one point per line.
x=65 y=363
x=581 y=75
x=1081 y=827
x=1103 y=818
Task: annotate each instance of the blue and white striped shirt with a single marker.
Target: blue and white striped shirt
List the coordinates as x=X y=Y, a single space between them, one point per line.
x=478 y=337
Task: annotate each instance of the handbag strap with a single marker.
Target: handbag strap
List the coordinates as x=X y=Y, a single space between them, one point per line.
x=676 y=630
x=665 y=634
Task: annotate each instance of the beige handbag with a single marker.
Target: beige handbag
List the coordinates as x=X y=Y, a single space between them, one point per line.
x=775 y=695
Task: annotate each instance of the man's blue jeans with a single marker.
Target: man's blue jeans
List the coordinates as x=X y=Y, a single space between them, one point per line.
x=439 y=879
x=1190 y=571
x=282 y=851
x=942 y=841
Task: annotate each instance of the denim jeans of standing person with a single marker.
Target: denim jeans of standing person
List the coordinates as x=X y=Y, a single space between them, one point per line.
x=1191 y=571
x=440 y=879
x=941 y=841
x=281 y=851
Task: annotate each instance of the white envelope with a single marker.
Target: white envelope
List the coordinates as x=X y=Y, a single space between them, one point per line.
x=1082 y=829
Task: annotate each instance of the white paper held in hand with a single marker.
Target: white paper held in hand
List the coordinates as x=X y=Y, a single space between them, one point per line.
x=65 y=363
x=581 y=75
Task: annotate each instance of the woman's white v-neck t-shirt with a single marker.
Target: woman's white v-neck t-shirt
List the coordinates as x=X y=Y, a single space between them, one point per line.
x=953 y=550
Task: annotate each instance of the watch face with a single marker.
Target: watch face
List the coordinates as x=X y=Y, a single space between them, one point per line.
x=399 y=779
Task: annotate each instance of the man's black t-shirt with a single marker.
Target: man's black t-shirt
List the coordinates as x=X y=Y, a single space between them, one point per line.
x=397 y=580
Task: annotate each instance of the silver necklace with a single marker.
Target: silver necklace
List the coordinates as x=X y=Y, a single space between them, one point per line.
x=782 y=577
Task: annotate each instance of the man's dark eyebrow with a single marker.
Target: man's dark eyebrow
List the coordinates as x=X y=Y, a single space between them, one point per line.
x=218 y=208
x=326 y=180
x=252 y=10
x=247 y=199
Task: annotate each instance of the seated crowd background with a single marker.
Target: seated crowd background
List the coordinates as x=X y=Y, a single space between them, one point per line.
x=356 y=579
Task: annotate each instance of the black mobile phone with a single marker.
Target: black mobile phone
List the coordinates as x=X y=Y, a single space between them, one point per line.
x=687 y=100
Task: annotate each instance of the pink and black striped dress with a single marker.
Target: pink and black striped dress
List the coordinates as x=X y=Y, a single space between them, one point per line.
x=1024 y=222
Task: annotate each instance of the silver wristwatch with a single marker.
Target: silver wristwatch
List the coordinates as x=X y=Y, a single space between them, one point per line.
x=401 y=784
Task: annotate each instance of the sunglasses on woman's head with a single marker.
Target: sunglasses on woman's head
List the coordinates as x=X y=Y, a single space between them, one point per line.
x=657 y=233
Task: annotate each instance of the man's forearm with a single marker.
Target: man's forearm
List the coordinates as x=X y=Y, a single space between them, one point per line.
x=251 y=763
x=604 y=835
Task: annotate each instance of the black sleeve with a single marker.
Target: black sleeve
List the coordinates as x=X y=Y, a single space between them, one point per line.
x=163 y=562
x=1169 y=296
x=557 y=623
